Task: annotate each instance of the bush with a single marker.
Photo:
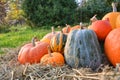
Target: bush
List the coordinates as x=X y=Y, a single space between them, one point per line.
x=49 y=12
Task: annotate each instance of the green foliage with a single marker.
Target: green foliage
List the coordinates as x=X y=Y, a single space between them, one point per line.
x=49 y=12
x=92 y=7
x=20 y=36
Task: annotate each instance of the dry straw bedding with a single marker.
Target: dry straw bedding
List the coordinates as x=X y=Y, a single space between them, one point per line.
x=10 y=69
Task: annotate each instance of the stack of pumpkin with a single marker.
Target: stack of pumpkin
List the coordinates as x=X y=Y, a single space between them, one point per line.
x=75 y=46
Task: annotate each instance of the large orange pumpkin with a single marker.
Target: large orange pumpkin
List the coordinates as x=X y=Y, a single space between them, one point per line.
x=101 y=28
x=112 y=46
x=112 y=16
x=118 y=22
x=54 y=59
x=32 y=52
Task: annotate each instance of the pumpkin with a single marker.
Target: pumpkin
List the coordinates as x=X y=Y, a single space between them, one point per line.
x=49 y=36
x=58 y=42
x=53 y=59
x=118 y=22
x=76 y=27
x=82 y=49
x=32 y=52
x=112 y=46
x=101 y=28
x=112 y=16
x=66 y=29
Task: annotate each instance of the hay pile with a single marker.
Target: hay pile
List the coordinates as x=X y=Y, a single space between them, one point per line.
x=10 y=69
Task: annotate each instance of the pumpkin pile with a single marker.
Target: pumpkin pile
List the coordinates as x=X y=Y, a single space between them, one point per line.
x=77 y=46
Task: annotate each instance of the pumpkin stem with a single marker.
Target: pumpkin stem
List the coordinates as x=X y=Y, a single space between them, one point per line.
x=49 y=51
x=81 y=25
x=53 y=30
x=93 y=19
x=34 y=39
x=114 y=7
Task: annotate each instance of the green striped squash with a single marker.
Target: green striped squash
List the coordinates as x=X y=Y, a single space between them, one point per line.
x=58 y=42
x=82 y=49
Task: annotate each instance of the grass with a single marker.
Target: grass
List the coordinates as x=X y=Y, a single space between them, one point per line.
x=19 y=36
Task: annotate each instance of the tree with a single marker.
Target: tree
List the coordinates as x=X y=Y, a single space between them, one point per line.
x=49 y=12
x=14 y=12
x=92 y=7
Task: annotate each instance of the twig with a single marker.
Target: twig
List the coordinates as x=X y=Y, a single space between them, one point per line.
x=12 y=75
x=104 y=73
x=78 y=72
x=31 y=77
x=87 y=77
x=35 y=70
x=24 y=72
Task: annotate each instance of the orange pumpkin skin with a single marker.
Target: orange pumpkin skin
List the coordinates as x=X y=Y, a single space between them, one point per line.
x=66 y=29
x=112 y=18
x=32 y=54
x=112 y=46
x=55 y=59
x=101 y=28
x=118 y=22
x=75 y=27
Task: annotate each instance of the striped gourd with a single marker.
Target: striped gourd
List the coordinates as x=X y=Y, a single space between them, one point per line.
x=58 y=42
x=82 y=49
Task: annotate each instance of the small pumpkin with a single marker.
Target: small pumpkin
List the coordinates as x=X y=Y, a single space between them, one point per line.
x=49 y=36
x=112 y=46
x=112 y=16
x=82 y=49
x=66 y=29
x=32 y=52
x=101 y=28
x=53 y=59
x=58 y=42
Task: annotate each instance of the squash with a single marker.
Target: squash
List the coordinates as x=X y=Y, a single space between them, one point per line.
x=101 y=28
x=58 y=42
x=49 y=36
x=82 y=49
x=112 y=16
x=53 y=59
x=32 y=52
x=112 y=46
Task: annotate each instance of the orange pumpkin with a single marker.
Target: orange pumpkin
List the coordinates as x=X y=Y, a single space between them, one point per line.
x=32 y=52
x=101 y=28
x=93 y=19
x=118 y=22
x=112 y=46
x=112 y=16
x=66 y=29
x=54 y=59
x=49 y=36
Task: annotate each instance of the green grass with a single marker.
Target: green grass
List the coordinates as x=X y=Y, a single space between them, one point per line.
x=19 y=36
